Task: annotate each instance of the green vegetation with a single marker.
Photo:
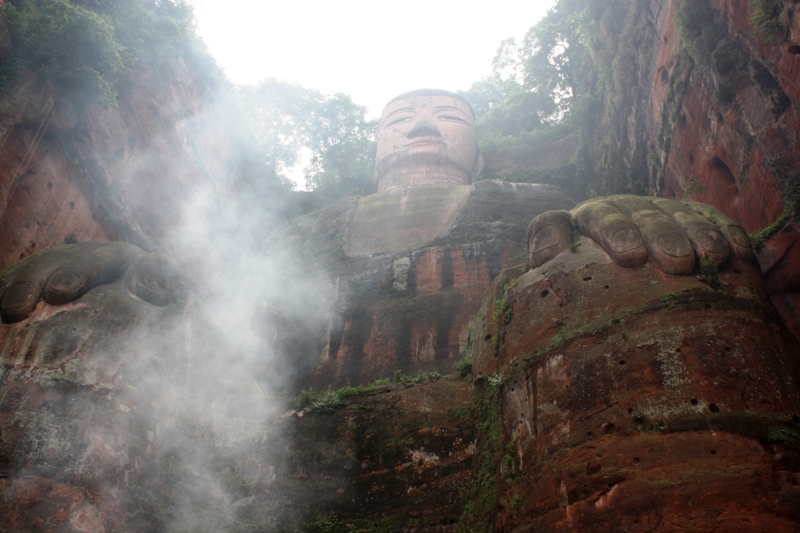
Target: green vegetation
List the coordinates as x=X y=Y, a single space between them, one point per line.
x=516 y=501
x=464 y=365
x=509 y=466
x=330 y=401
x=697 y=28
x=666 y=300
x=758 y=238
x=84 y=47
x=766 y=20
x=708 y=268
x=481 y=498
x=786 y=171
x=692 y=187
x=569 y=85
x=784 y=435
x=502 y=316
x=334 y=524
x=71 y=46
x=286 y=118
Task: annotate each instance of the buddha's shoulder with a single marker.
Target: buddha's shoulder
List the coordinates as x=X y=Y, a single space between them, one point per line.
x=500 y=209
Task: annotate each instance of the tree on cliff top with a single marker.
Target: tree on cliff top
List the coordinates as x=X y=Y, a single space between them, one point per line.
x=85 y=46
x=286 y=119
x=536 y=83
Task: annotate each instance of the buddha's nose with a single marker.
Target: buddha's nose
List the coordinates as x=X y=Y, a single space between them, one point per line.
x=424 y=128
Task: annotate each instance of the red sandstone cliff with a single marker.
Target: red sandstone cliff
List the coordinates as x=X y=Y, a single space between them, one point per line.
x=715 y=120
x=72 y=171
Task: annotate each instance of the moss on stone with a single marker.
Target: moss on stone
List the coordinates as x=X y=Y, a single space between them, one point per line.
x=481 y=499
x=759 y=238
x=766 y=20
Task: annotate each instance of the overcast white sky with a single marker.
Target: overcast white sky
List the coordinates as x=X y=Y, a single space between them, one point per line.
x=372 y=50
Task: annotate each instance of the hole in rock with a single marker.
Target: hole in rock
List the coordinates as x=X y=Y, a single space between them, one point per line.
x=694 y=401
x=678 y=350
x=713 y=452
x=720 y=172
x=664 y=75
x=606 y=287
x=794 y=49
x=630 y=411
x=666 y=39
x=544 y=293
x=727 y=349
x=488 y=337
x=713 y=408
x=635 y=460
x=587 y=278
x=622 y=362
x=590 y=434
x=49 y=184
x=72 y=205
x=610 y=428
x=796 y=419
x=691 y=158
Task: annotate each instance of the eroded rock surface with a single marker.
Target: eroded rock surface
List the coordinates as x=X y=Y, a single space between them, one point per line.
x=403 y=299
x=632 y=399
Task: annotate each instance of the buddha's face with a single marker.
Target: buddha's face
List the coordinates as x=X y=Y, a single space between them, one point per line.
x=426 y=139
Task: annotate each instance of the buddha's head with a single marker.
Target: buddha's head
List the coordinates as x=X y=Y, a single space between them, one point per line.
x=426 y=136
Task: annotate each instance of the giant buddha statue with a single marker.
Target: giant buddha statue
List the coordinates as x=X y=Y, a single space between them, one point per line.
x=621 y=328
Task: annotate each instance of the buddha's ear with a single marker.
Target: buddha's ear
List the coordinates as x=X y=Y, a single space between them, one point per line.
x=478 y=167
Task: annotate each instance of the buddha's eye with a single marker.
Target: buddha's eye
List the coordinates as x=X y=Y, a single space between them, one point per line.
x=453 y=118
x=397 y=120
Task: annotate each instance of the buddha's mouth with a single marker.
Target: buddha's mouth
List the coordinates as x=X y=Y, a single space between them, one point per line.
x=425 y=141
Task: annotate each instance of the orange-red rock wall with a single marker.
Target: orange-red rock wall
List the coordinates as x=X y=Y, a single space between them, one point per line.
x=72 y=171
x=670 y=407
x=723 y=135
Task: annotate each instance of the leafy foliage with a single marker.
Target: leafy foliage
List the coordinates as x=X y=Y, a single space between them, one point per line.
x=71 y=46
x=536 y=83
x=86 y=45
x=766 y=20
x=288 y=120
x=538 y=95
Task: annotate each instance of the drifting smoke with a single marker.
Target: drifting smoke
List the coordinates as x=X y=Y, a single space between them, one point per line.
x=223 y=442
x=170 y=418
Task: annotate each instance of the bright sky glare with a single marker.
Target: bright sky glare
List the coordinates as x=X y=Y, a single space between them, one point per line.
x=370 y=49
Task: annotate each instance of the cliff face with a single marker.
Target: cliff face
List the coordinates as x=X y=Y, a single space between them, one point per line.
x=602 y=397
x=72 y=171
x=628 y=409
x=707 y=108
x=410 y=269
